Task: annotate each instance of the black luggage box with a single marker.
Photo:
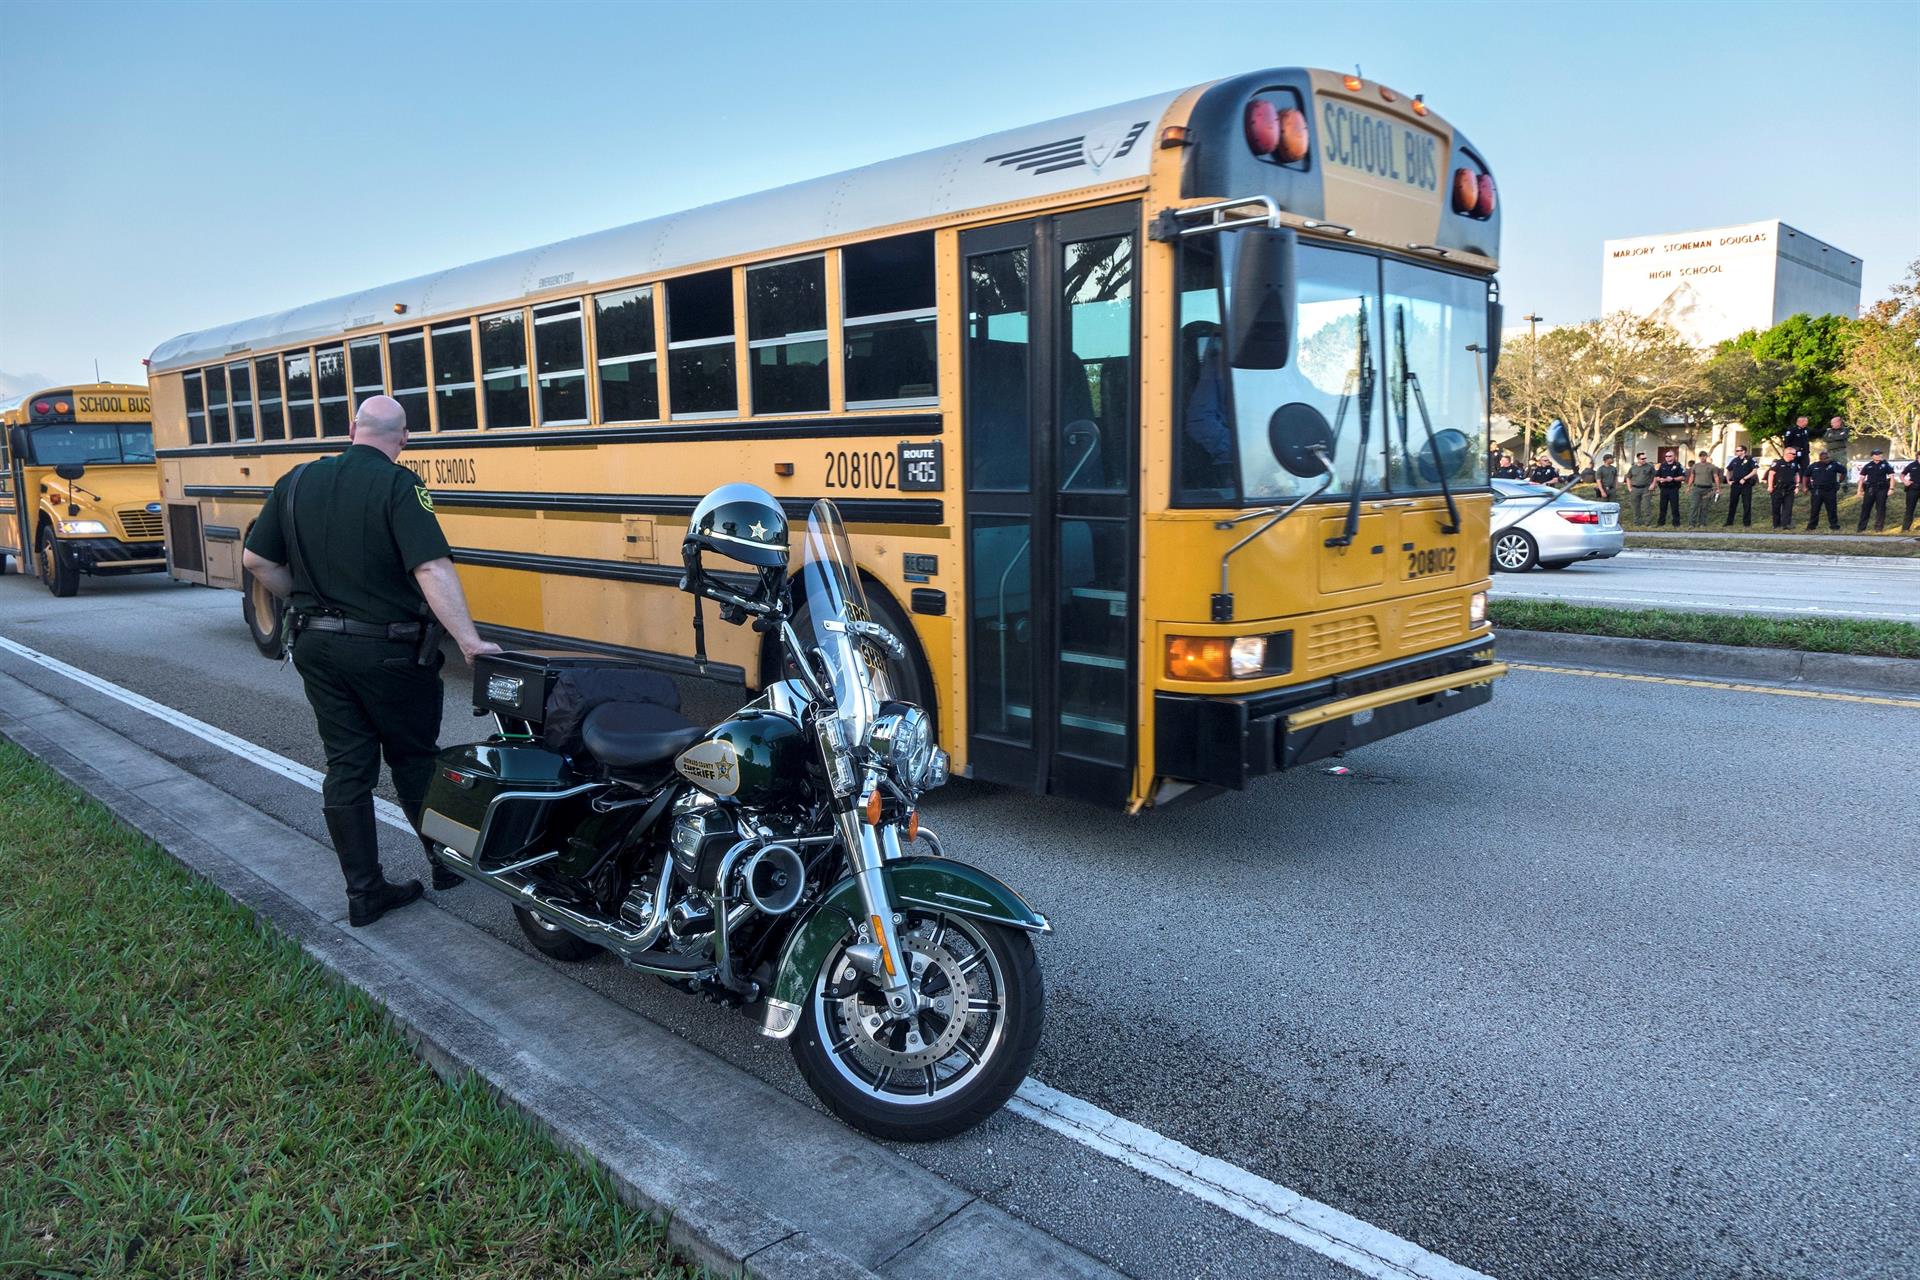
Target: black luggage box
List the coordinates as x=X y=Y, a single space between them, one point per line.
x=517 y=683
x=467 y=781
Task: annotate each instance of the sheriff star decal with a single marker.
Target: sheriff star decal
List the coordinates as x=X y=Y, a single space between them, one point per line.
x=759 y=531
x=426 y=499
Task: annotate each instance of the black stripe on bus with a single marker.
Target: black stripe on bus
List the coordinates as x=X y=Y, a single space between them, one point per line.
x=923 y=511
x=661 y=575
x=909 y=424
x=671 y=663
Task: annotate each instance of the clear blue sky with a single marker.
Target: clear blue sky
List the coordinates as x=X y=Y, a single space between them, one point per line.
x=168 y=167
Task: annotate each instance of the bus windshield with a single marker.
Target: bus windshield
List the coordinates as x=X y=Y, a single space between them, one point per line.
x=92 y=443
x=1381 y=349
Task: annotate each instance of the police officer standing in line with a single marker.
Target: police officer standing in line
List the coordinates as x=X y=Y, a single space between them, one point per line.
x=1706 y=486
x=1825 y=476
x=1639 y=480
x=1606 y=480
x=1799 y=439
x=352 y=543
x=1783 y=481
x=1910 y=478
x=1835 y=439
x=1669 y=475
x=1508 y=469
x=1876 y=477
x=1742 y=473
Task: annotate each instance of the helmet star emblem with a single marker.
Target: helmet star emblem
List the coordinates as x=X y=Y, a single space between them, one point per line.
x=759 y=531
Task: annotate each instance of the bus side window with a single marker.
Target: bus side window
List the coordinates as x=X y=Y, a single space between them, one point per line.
x=700 y=345
x=196 y=410
x=215 y=378
x=887 y=297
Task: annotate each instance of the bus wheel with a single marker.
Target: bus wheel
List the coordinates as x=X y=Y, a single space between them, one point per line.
x=266 y=616
x=57 y=568
x=911 y=680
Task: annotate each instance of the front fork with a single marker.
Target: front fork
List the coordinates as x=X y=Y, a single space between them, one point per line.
x=881 y=956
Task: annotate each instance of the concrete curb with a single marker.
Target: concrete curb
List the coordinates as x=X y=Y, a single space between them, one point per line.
x=1723 y=555
x=1849 y=672
x=490 y=1011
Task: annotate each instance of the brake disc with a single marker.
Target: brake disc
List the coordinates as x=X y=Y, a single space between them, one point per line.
x=874 y=1030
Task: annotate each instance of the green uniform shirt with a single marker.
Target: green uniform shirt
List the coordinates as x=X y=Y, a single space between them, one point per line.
x=365 y=524
x=1640 y=475
x=1609 y=477
x=1705 y=475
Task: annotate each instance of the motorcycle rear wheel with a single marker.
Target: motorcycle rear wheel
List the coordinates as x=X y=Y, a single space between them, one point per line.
x=550 y=939
x=931 y=1079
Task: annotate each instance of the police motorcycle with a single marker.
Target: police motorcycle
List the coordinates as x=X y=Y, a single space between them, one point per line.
x=776 y=861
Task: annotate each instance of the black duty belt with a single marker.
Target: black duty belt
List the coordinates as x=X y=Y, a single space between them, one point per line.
x=354 y=627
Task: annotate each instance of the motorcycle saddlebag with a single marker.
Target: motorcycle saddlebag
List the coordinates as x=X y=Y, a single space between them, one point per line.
x=553 y=692
x=468 y=780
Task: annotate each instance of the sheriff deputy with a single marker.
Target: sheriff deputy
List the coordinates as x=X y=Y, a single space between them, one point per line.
x=352 y=543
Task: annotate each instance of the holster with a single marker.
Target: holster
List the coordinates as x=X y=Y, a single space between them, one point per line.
x=426 y=652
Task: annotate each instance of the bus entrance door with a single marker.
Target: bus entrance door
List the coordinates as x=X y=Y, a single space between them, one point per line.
x=1050 y=420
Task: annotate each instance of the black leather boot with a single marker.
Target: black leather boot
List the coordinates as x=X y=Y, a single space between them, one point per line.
x=443 y=879
x=357 y=842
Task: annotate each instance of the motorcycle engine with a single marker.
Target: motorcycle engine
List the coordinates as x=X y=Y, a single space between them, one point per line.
x=699 y=841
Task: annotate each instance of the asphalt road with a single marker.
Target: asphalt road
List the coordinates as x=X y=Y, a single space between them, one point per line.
x=1560 y=987
x=1732 y=582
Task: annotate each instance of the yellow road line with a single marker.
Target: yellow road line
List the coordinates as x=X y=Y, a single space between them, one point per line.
x=1720 y=684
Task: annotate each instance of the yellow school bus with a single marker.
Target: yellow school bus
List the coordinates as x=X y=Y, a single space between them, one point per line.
x=79 y=488
x=1160 y=429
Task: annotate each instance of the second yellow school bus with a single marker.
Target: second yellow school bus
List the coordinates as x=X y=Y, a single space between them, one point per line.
x=1160 y=429
x=79 y=491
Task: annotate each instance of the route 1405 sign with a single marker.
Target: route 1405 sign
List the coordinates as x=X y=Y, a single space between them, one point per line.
x=920 y=466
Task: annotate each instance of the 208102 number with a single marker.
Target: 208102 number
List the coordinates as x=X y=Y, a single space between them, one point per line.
x=856 y=470
x=1432 y=561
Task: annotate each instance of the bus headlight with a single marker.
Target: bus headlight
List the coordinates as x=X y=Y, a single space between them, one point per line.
x=79 y=528
x=1219 y=657
x=1477 y=608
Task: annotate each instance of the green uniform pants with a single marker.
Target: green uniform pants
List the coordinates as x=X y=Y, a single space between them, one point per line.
x=1639 y=505
x=369 y=699
x=1702 y=504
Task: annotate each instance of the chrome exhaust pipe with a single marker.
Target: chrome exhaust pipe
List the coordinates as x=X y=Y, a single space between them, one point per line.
x=628 y=944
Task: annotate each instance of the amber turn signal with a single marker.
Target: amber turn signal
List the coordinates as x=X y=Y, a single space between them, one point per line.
x=1352 y=83
x=913 y=826
x=1198 y=657
x=873 y=807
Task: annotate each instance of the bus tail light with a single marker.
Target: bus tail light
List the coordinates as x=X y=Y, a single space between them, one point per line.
x=1579 y=517
x=1293 y=137
x=43 y=406
x=1263 y=127
x=1466 y=190
x=1483 y=203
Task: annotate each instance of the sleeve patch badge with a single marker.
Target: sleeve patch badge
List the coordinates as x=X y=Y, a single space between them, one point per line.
x=426 y=499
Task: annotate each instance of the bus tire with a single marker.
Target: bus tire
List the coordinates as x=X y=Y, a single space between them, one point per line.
x=912 y=679
x=266 y=616
x=57 y=568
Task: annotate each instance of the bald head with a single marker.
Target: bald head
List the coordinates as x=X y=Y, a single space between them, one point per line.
x=381 y=423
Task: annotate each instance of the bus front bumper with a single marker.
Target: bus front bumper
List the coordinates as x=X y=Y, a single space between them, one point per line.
x=1228 y=740
x=103 y=557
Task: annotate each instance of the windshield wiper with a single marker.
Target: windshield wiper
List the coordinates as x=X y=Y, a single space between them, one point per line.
x=1345 y=537
x=1410 y=379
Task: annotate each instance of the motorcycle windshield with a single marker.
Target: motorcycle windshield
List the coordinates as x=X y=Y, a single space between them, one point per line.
x=834 y=599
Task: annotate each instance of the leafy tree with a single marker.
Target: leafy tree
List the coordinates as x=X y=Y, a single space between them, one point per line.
x=1731 y=379
x=1808 y=351
x=1601 y=378
x=1881 y=373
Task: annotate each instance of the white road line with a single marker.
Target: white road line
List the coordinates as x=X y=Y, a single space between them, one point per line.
x=1377 y=1254
x=292 y=770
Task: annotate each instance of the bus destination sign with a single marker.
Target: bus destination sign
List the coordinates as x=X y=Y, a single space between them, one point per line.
x=1379 y=148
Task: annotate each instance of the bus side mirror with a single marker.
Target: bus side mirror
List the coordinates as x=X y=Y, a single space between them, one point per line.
x=1260 y=318
x=70 y=470
x=1560 y=447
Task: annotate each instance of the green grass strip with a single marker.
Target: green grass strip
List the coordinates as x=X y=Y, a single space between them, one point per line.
x=1868 y=637
x=1780 y=544
x=183 y=1093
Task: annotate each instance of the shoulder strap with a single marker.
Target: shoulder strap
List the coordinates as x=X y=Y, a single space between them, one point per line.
x=292 y=530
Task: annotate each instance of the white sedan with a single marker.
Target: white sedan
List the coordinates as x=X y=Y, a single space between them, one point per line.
x=1529 y=529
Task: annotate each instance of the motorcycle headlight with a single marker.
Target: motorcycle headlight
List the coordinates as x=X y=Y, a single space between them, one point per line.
x=904 y=739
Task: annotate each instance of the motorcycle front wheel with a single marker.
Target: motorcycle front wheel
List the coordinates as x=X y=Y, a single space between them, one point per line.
x=950 y=1065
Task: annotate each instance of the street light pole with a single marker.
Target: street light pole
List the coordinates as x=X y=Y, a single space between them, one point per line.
x=1533 y=384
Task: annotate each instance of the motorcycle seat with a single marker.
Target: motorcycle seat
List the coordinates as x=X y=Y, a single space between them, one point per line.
x=636 y=735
